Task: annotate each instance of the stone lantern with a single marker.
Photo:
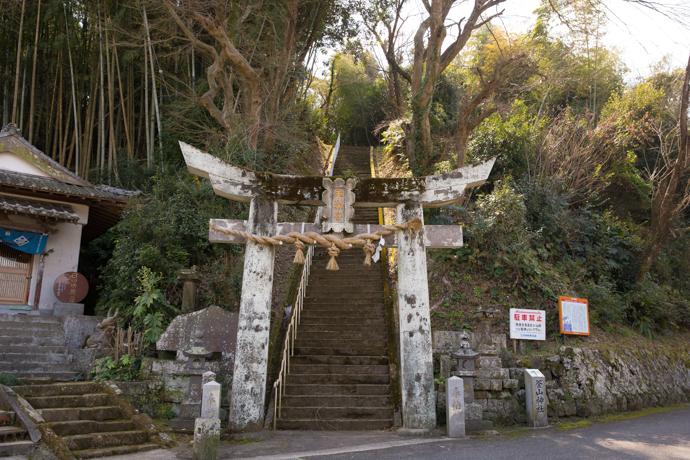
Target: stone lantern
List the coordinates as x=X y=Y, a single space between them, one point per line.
x=466 y=366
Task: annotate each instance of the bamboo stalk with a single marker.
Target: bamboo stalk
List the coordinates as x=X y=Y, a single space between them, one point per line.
x=32 y=97
x=74 y=92
x=15 y=97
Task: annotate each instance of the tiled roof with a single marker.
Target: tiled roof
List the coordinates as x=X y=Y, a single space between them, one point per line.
x=11 y=205
x=49 y=185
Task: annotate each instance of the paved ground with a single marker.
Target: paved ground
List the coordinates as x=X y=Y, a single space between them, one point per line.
x=660 y=436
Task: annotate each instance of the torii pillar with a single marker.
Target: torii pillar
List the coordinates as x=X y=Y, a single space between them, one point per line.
x=416 y=360
x=248 y=394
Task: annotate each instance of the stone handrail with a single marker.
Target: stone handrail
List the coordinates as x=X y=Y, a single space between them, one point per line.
x=26 y=414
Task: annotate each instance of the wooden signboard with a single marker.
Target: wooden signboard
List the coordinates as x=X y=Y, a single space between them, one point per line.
x=573 y=315
x=71 y=287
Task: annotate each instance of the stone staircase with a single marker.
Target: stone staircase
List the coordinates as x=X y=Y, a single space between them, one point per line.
x=33 y=348
x=339 y=377
x=89 y=418
x=14 y=440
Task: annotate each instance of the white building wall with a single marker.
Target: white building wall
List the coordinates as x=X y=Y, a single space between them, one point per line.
x=11 y=162
x=65 y=243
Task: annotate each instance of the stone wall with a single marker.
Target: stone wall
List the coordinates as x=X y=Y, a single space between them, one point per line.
x=585 y=382
x=579 y=381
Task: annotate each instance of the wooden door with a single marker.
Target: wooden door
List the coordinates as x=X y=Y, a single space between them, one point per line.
x=15 y=275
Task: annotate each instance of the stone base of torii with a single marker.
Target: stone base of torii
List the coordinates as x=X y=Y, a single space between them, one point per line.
x=263 y=192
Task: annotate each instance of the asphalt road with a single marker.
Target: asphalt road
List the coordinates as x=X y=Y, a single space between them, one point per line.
x=659 y=436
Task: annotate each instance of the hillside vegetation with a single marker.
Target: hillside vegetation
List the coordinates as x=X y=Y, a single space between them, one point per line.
x=589 y=195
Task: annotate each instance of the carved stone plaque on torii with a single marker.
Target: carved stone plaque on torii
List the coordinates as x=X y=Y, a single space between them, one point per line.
x=264 y=191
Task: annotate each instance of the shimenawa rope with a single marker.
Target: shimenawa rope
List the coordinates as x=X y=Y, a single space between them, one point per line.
x=334 y=244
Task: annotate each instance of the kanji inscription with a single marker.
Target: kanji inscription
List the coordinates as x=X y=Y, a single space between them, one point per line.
x=339 y=199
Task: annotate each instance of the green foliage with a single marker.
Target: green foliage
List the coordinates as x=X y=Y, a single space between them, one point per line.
x=512 y=138
x=393 y=139
x=124 y=369
x=151 y=309
x=358 y=98
x=165 y=231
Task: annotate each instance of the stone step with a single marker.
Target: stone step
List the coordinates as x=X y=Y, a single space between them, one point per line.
x=15 y=448
x=31 y=340
x=67 y=401
x=335 y=359
x=74 y=427
x=105 y=439
x=308 y=328
x=54 y=358
x=335 y=413
x=336 y=401
x=346 y=335
x=363 y=389
x=354 y=304
x=16 y=328
x=302 y=379
x=337 y=369
x=345 y=297
x=340 y=342
x=115 y=450
x=34 y=319
x=59 y=389
x=363 y=350
x=12 y=433
x=99 y=413
x=31 y=367
x=336 y=279
x=344 y=314
x=350 y=320
x=39 y=349
x=36 y=376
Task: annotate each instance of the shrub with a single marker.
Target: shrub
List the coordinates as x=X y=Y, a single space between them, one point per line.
x=165 y=231
x=124 y=369
x=8 y=379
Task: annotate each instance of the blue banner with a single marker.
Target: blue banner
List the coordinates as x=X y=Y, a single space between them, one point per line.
x=21 y=240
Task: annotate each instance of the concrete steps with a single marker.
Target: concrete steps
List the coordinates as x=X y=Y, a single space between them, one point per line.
x=89 y=419
x=34 y=347
x=339 y=377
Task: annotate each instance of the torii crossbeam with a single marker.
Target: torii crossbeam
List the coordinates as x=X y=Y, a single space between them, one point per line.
x=264 y=191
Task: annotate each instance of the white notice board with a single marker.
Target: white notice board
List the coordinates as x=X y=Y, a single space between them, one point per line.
x=527 y=324
x=573 y=315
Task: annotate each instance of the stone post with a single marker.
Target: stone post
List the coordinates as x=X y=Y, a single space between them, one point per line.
x=535 y=396
x=416 y=361
x=190 y=283
x=207 y=427
x=210 y=399
x=455 y=407
x=248 y=390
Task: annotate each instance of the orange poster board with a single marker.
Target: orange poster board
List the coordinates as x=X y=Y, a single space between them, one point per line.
x=573 y=315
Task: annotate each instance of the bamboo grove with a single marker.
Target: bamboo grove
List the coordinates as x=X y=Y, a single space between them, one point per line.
x=96 y=84
x=75 y=84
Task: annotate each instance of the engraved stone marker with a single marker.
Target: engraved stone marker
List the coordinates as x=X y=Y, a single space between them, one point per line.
x=535 y=395
x=210 y=399
x=207 y=427
x=455 y=407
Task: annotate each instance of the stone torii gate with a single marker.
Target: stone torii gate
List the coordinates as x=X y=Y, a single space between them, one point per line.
x=263 y=192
